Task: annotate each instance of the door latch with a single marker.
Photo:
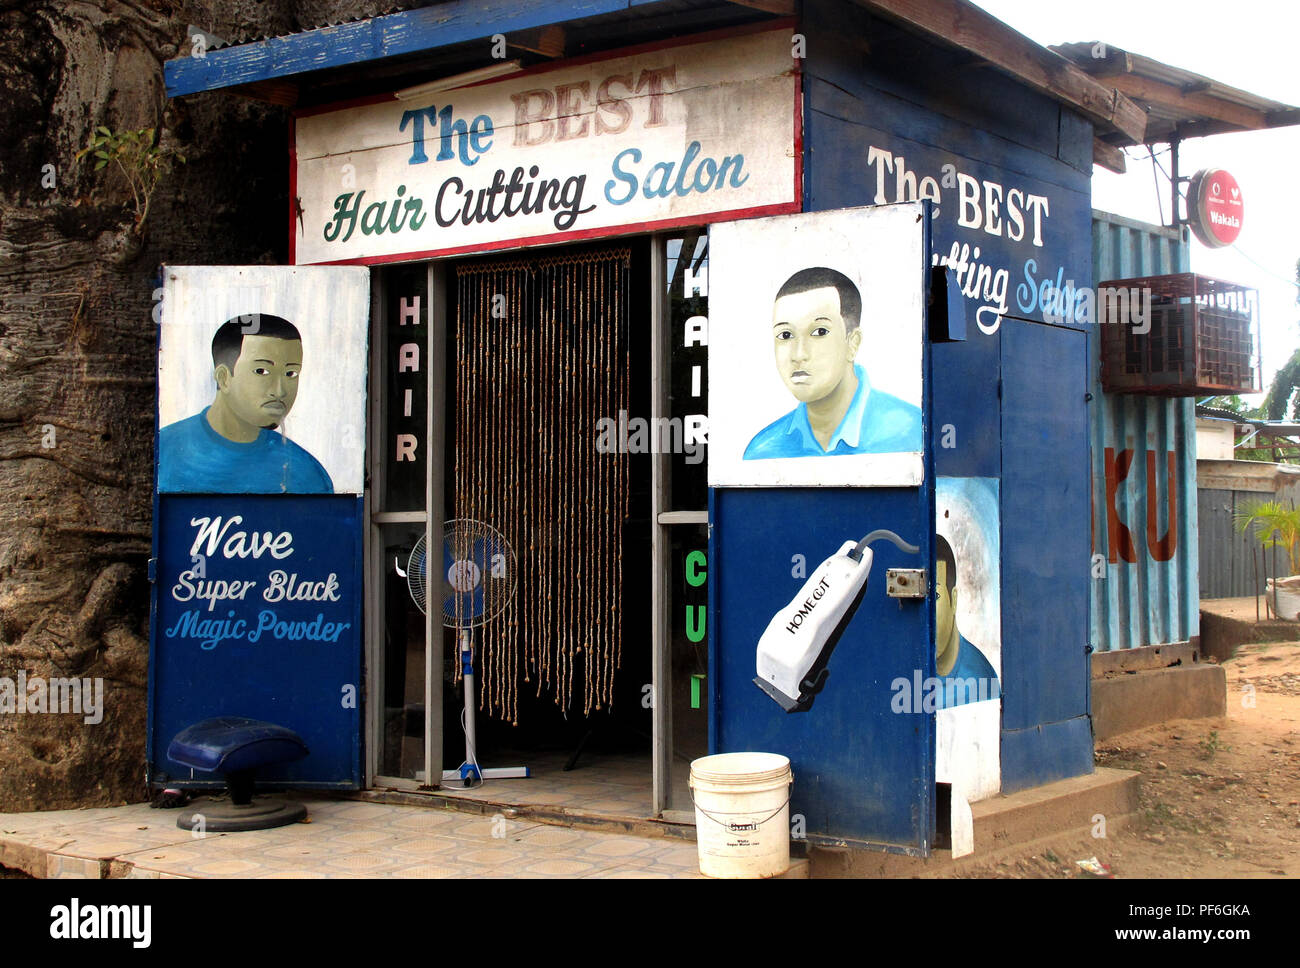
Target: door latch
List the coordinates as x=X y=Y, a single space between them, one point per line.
x=905 y=583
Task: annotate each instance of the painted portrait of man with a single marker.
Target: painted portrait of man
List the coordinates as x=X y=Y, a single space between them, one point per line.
x=817 y=333
x=964 y=674
x=235 y=445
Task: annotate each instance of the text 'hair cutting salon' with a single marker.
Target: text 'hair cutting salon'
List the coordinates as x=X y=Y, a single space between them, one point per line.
x=649 y=380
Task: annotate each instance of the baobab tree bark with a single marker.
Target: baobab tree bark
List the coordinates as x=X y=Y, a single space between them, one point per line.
x=78 y=344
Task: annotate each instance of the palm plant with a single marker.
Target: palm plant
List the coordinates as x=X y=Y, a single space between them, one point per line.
x=1275 y=525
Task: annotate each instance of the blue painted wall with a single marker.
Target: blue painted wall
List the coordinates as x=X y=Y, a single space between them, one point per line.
x=977 y=136
x=1046 y=731
x=935 y=109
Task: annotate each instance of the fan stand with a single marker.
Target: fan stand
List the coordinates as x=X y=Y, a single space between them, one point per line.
x=470 y=769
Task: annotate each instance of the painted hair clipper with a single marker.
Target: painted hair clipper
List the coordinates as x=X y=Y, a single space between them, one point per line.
x=794 y=650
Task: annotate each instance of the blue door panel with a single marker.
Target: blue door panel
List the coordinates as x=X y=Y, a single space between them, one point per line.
x=1045 y=534
x=861 y=770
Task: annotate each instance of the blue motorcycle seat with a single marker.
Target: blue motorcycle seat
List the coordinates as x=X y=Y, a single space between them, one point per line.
x=229 y=744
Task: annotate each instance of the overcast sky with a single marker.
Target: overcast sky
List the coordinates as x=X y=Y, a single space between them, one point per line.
x=1250 y=44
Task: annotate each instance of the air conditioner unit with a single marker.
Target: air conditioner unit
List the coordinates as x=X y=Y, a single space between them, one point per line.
x=1178 y=336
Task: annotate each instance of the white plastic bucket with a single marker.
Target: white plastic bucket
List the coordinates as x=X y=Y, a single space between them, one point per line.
x=742 y=814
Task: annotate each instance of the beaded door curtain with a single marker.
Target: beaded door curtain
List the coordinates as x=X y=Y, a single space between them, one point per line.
x=540 y=357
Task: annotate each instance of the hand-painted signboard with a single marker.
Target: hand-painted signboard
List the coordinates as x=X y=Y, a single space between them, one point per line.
x=966 y=690
x=807 y=649
x=822 y=311
x=262 y=380
x=660 y=136
x=999 y=228
x=259 y=615
x=258 y=520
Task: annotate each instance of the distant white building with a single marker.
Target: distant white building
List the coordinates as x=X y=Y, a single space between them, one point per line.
x=1214 y=438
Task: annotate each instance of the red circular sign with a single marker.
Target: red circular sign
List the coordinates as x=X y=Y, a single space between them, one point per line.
x=1216 y=207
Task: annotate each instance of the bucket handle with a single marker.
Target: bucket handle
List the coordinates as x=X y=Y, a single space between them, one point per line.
x=727 y=826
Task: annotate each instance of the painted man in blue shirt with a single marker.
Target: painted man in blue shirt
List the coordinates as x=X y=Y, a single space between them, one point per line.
x=815 y=327
x=232 y=446
x=964 y=674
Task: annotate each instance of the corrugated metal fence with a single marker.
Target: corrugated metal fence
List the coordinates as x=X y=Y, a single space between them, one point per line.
x=1227 y=567
x=1233 y=563
x=1144 y=508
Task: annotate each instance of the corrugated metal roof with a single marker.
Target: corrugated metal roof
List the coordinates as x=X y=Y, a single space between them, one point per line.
x=1214 y=413
x=271 y=67
x=360 y=46
x=320 y=17
x=1179 y=103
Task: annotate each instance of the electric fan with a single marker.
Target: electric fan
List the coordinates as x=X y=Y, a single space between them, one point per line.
x=478 y=583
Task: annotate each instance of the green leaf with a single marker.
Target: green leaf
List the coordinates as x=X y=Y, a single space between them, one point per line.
x=106 y=132
x=100 y=164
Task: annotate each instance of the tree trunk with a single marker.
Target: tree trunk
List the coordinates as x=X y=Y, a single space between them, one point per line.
x=78 y=349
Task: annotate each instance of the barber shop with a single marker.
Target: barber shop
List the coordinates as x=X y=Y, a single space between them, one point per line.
x=647 y=382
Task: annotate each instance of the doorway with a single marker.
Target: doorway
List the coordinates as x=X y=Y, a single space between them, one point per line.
x=551 y=382
x=541 y=363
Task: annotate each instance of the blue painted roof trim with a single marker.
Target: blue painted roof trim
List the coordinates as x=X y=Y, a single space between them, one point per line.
x=407 y=32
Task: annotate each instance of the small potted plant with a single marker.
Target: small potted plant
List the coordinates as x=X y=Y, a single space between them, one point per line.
x=1276 y=525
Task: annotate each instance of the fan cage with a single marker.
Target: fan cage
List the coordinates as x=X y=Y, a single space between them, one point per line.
x=1203 y=337
x=485 y=555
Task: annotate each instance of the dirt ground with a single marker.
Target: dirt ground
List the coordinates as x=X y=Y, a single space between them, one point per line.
x=1219 y=798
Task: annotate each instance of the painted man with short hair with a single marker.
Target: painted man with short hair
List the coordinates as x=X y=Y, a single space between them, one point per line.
x=232 y=446
x=816 y=331
x=964 y=674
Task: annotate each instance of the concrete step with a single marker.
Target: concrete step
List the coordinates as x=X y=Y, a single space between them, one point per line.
x=1065 y=805
x=1229 y=622
x=1003 y=825
x=1123 y=702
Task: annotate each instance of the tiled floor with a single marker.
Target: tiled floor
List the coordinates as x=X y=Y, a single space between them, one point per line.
x=348 y=838
x=344 y=839
x=604 y=785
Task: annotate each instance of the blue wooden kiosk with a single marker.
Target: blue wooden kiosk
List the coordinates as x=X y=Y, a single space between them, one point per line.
x=992 y=139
